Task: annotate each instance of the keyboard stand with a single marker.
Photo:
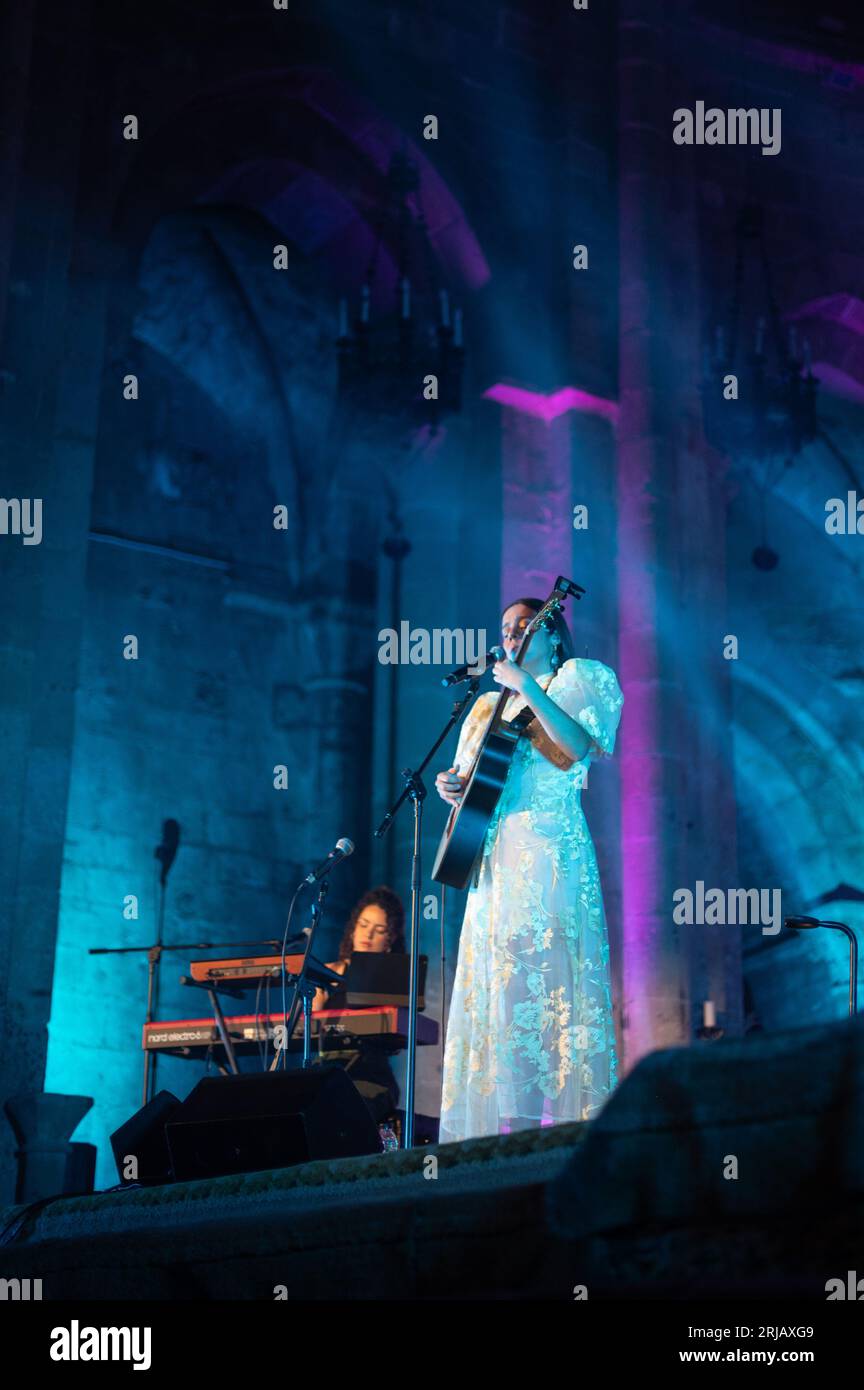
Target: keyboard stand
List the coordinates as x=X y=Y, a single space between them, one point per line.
x=218 y=1016
x=223 y=1031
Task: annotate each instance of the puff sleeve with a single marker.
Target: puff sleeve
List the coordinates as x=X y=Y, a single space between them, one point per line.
x=589 y=692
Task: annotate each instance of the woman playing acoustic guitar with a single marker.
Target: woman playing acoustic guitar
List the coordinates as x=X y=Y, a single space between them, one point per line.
x=530 y=1039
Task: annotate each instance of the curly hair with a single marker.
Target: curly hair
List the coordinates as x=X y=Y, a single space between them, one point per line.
x=556 y=624
x=382 y=896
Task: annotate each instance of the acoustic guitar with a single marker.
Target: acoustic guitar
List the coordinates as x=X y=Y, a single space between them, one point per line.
x=468 y=822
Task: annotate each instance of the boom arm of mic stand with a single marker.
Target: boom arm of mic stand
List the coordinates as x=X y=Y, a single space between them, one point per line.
x=459 y=708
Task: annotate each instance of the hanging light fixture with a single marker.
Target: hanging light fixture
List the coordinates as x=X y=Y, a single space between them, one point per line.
x=404 y=363
x=762 y=419
x=774 y=414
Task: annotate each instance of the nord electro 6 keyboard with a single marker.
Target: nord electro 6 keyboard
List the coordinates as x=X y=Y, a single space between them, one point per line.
x=386 y=1026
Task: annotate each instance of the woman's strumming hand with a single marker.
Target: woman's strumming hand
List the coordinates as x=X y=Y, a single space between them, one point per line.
x=449 y=786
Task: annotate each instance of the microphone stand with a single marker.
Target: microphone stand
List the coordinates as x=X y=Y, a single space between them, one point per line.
x=154 y=960
x=305 y=983
x=415 y=791
x=313 y=974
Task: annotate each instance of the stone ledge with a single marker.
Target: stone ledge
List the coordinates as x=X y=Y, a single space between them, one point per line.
x=494 y=1160
x=788 y=1108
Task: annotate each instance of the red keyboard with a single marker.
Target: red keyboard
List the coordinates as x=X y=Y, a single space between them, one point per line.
x=387 y=1025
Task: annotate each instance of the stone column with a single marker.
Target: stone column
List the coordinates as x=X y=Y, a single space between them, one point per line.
x=48 y=414
x=336 y=635
x=594 y=624
x=16 y=41
x=677 y=810
x=536 y=523
x=548 y=467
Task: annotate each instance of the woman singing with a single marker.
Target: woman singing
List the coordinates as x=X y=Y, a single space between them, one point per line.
x=530 y=1039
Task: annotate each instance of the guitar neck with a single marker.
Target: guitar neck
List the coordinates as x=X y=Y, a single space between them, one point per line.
x=501 y=702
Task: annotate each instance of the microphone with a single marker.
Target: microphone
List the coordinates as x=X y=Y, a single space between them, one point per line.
x=341 y=851
x=462 y=673
x=167 y=851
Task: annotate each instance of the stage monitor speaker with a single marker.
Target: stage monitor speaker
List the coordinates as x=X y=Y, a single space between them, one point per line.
x=139 y=1146
x=242 y=1124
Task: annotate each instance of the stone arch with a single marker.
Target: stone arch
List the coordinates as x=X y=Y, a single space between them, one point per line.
x=797 y=790
x=297 y=154
x=248 y=141
x=834 y=327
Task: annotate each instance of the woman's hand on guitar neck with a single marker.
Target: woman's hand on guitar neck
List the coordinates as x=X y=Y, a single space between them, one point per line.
x=449 y=786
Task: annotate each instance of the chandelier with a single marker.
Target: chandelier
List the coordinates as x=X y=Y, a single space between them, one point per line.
x=405 y=363
x=774 y=413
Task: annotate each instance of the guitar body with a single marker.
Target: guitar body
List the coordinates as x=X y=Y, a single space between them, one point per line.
x=466 y=828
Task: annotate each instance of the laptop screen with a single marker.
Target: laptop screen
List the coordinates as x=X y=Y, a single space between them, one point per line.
x=378 y=977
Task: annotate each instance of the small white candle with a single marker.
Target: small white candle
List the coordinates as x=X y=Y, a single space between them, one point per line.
x=709 y=1014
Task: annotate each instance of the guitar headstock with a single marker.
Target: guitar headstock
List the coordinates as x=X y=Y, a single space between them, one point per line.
x=564 y=589
x=552 y=605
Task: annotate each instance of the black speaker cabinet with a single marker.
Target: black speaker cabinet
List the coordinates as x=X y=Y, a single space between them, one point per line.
x=140 y=1149
x=241 y=1124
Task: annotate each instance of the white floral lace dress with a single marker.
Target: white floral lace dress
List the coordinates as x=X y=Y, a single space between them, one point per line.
x=530 y=1037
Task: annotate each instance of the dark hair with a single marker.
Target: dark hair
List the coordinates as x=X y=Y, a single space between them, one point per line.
x=392 y=905
x=562 y=641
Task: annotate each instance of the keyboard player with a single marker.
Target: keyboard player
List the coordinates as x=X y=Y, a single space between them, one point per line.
x=375 y=923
